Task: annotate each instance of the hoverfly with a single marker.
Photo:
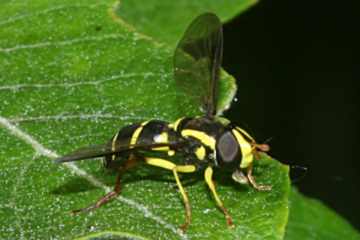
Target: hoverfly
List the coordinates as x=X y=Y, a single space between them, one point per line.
x=189 y=144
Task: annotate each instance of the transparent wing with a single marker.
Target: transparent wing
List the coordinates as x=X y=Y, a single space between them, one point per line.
x=197 y=61
x=101 y=150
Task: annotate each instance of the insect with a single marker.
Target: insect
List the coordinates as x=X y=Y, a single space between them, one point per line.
x=204 y=143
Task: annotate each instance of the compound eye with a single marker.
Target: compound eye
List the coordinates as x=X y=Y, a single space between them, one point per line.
x=227 y=147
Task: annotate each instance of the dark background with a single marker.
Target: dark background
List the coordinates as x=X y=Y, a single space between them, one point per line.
x=297 y=68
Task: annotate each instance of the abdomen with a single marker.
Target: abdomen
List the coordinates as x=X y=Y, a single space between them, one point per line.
x=148 y=132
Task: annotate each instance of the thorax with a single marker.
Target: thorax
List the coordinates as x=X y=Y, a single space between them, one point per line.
x=203 y=130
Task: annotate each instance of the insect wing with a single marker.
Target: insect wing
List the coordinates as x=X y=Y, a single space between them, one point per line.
x=102 y=150
x=197 y=61
x=92 y=151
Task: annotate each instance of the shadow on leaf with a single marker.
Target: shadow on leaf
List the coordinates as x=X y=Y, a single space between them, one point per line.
x=74 y=185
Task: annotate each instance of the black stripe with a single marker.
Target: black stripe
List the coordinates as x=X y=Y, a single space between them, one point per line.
x=244 y=135
x=183 y=122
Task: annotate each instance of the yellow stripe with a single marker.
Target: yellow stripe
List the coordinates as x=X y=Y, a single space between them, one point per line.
x=245 y=133
x=171 y=153
x=136 y=133
x=176 y=124
x=200 y=153
x=246 y=149
x=159 y=162
x=185 y=168
x=113 y=145
x=203 y=137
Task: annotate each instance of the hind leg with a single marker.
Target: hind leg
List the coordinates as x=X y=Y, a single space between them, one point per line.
x=131 y=162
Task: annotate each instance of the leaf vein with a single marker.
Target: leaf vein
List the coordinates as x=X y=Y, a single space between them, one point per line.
x=16 y=87
x=62 y=43
x=21 y=17
x=41 y=150
x=94 y=116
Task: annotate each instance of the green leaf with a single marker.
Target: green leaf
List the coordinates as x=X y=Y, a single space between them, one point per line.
x=111 y=236
x=166 y=21
x=72 y=74
x=310 y=219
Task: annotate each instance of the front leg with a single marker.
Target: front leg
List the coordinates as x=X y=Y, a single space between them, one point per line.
x=253 y=182
x=210 y=183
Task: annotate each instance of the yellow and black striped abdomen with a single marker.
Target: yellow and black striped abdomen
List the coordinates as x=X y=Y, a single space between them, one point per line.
x=122 y=137
x=148 y=132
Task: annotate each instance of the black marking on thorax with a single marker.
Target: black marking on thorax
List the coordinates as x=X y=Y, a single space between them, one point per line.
x=203 y=124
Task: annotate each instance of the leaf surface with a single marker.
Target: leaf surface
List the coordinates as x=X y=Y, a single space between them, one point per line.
x=310 y=219
x=72 y=74
x=166 y=21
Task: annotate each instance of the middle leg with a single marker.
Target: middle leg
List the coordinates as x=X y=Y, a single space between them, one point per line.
x=158 y=162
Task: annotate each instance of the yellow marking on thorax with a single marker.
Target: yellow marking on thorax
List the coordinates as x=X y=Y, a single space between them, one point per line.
x=203 y=137
x=245 y=133
x=113 y=146
x=175 y=124
x=136 y=133
x=200 y=153
x=171 y=153
x=246 y=149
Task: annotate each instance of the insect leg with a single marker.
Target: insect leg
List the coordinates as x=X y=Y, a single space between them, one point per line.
x=175 y=169
x=253 y=182
x=186 y=201
x=131 y=162
x=210 y=183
